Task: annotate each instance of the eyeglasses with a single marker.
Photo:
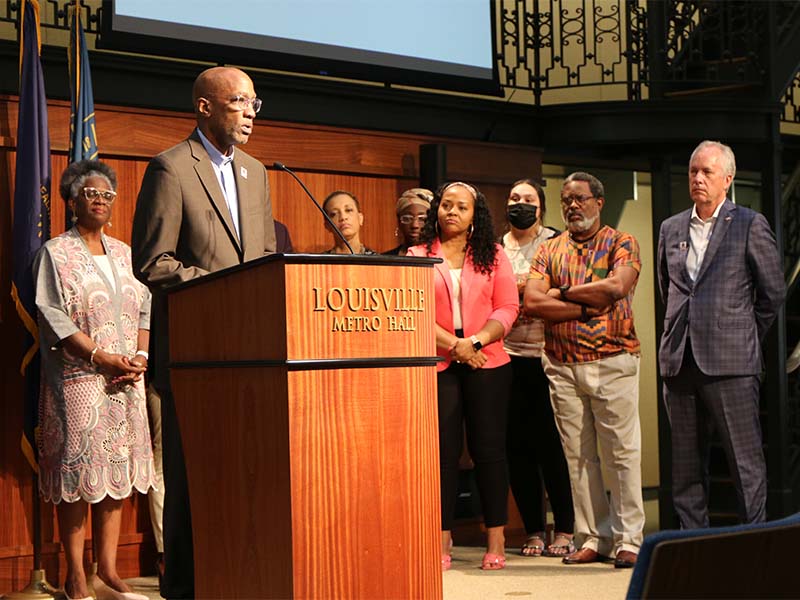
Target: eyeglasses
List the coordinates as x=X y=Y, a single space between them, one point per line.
x=243 y=103
x=581 y=200
x=105 y=196
x=409 y=219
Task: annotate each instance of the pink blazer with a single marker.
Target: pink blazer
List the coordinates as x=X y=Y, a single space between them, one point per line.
x=483 y=297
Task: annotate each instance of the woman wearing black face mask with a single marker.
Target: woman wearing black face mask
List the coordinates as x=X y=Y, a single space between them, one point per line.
x=534 y=451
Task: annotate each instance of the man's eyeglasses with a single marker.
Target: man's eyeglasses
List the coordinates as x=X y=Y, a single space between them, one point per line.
x=409 y=219
x=105 y=196
x=581 y=200
x=243 y=103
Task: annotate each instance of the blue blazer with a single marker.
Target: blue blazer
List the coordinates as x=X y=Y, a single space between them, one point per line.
x=733 y=301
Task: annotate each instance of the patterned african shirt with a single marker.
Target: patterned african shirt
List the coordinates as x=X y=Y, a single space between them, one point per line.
x=564 y=261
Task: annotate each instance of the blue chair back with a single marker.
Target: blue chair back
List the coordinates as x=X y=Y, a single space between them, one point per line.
x=742 y=561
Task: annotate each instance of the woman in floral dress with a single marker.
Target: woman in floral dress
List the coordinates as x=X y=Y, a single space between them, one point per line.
x=93 y=438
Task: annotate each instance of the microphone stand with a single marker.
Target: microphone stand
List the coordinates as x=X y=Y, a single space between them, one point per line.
x=283 y=167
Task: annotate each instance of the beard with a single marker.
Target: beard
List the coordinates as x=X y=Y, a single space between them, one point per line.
x=581 y=225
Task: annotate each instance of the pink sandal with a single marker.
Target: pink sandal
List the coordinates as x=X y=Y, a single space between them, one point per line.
x=493 y=562
x=447 y=561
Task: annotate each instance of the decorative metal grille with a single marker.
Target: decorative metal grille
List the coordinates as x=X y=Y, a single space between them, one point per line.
x=54 y=14
x=791 y=101
x=551 y=47
x=547 y=45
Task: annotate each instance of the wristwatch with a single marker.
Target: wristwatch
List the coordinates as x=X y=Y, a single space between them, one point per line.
x=584 y=314
x=476 y=343
x=563 y=289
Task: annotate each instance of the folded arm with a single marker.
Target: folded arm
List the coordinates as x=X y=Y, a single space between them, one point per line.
x=583 y=301
x=604 y=292
x=542 y=301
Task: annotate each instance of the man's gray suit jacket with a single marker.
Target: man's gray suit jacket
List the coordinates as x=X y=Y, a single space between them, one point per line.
x=182 y=227
x=736 y=295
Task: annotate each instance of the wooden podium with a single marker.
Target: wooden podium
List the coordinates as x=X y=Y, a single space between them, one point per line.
x=305 y=388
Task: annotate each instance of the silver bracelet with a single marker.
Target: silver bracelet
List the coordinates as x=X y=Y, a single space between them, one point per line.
x=91 y=356
x=142 y=353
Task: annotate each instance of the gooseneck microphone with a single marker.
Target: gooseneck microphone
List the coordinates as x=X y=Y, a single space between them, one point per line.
x=283 y=167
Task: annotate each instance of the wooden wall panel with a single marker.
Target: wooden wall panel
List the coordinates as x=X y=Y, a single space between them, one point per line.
x=375 y=166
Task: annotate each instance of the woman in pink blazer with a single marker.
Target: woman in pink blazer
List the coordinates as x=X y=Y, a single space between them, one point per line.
x=476 y=305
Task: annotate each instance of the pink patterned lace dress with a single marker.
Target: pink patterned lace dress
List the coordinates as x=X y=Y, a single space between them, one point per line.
x=93 y=438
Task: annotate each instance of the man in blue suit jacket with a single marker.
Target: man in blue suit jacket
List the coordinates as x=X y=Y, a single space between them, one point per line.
x=721 y=280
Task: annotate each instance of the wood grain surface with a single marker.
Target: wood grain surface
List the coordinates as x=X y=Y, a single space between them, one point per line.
x=365 y=483
x=281 y=302
x=343 y=460
x=235 y=433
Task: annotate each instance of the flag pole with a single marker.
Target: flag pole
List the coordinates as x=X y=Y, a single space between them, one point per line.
x=38 y=587
x=31 y=208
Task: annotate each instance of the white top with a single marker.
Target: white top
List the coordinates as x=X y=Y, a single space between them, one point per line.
x=455 y=277
x=104 y=263
x=526 y=337
x=699 y=234
x=223 y=168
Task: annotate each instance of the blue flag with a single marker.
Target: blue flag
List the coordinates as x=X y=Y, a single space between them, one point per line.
x=31 y=226
x=82 y=128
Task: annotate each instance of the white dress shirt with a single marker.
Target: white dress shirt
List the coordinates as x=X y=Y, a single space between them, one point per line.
x=699 y=234
x=223 y=167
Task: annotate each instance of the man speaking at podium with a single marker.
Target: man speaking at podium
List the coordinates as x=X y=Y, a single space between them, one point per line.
x=203 y=206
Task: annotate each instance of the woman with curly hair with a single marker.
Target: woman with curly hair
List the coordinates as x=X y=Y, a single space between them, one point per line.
x=93 y=437
x=476 y=305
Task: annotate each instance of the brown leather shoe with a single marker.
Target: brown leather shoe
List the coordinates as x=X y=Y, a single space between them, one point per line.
x=582 y=556
x=625 y=559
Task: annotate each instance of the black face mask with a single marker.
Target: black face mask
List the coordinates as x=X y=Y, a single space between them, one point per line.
x=522 y=215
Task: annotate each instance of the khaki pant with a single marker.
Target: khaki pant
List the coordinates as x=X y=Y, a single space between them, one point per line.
x=596 y=404
x=155 y=497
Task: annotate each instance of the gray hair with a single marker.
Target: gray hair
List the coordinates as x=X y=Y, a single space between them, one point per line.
x=595 y=185
x=76 y=174
x=728 y=158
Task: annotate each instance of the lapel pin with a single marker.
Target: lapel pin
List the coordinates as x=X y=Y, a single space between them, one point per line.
x=243 y=172
x=728 y=218
x=683 y=245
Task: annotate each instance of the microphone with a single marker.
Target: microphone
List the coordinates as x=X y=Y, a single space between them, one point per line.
x=283 y=167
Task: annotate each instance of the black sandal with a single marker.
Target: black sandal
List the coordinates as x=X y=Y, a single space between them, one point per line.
x=535 y=543
x=560 y=550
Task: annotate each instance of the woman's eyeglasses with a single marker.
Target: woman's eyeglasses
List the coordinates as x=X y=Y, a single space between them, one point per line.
x=105 y=196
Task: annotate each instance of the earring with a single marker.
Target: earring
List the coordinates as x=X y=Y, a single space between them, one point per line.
x=109 y=224
x=74 y=219
x=471 y=229
x=436 y=226
x=396 y=232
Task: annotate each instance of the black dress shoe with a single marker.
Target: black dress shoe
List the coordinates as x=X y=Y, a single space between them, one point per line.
x=625 y=559
x=582 y=556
